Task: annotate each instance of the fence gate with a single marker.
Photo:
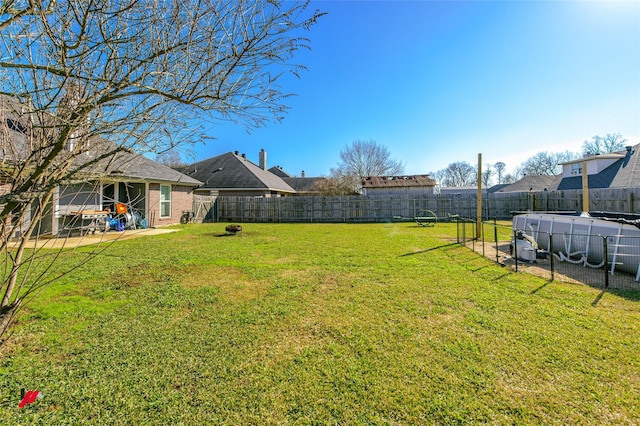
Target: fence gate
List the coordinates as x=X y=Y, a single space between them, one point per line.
x=204 y=208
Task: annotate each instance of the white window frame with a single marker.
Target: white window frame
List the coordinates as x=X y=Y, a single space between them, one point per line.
x=576 y=169
x=164 y=202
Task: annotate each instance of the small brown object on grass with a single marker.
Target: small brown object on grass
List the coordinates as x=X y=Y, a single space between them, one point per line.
x=232 y=229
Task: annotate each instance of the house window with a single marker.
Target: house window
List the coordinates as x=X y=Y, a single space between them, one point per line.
x=16 y=126
x=165 y=201
x=576 y=169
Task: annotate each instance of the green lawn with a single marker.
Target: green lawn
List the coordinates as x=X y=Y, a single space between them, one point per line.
x=319 y=324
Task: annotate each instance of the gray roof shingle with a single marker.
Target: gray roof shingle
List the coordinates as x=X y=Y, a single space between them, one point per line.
x=628 y=174
x=135 y=166
x=534 y=183
x=303 y=184
x=278 y=171
x=232 y=171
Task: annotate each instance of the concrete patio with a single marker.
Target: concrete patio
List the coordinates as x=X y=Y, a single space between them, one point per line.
x=97 y=238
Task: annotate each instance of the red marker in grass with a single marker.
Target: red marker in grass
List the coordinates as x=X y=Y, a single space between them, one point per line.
x=29 y=397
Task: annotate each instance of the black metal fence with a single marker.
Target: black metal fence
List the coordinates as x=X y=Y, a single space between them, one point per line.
x=595 y=260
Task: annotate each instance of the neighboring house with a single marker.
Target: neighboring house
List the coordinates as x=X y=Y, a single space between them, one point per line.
x=615 y=170
x=497 y=188
x=233 y=174
x=303 y=185
x=533 y=183
x=152 y=190
x=391 y=185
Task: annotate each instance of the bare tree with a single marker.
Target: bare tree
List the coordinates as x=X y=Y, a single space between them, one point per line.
x=338 y=183
x=509 y=178
x=171 y=158
x=487 y=175
x=545 y=163
x=85 y=80
x=500 y=166
x=368 y=158
x=459 y=174
x=439 y=177
x=604 y=144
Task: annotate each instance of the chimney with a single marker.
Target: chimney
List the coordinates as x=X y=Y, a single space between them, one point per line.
x=236 y=152
x=244 y=155
x=302 y=174
x=262 y=159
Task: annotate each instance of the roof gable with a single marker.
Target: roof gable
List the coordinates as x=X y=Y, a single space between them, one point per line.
x=135 y=166
x=599 y=180
x=232 y=171
x=623 y=173
x=303 y=184
x=278 y=171
x=534 y=183
x=629 y=172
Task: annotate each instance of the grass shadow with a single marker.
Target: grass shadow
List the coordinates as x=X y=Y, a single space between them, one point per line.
x=224 y=234
x=430 y=249
x=598 y=298
x=541 y=287
x=503 y=276
x=633 y=295
x=478 y=268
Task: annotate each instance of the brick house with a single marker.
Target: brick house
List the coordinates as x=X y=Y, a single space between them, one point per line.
x=151 y=190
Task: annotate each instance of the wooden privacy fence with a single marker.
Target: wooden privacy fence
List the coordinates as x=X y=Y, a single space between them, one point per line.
x=204 y=208
x=335 y=209
x=386 y=208
x=624 y=200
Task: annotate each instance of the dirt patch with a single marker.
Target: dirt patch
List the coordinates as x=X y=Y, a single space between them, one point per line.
x=234 y=285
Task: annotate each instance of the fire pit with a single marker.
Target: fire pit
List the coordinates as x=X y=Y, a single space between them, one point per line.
x=233 y=229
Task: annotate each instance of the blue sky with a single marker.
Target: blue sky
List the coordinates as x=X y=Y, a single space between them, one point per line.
x=439 y=82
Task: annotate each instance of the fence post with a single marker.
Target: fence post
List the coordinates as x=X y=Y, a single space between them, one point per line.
x=495 y=237
x=474 y=236
x=515 y=248
x=482 y=239
x=464 y=232
x=551 y=256
x=606 y=261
